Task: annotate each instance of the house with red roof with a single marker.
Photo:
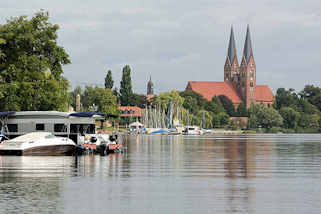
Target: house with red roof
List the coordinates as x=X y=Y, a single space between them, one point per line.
x=239 y=80
x=130 y=111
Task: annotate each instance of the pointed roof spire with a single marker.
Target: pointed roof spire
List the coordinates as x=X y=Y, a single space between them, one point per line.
x=150 y=86
x=231 y=53
x=247 y=52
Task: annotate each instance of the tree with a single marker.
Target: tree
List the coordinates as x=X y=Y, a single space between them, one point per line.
x=163 y=99
x=220 y=119
x=105 y=101
x=125 y=91
x=312 y=95
x=193 y=97
x=241 y=110
x=286 y=98
x=205 y=119
x=191 y=105
x=139 y=100
x=290 y=117
x=228 y=105
x=215 y=106
x=261 y=115
x=31 y=65
x=99 y=99
x=109 y=82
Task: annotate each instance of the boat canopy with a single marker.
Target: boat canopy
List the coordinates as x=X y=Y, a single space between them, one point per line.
x=6 y=113
x=91 y=114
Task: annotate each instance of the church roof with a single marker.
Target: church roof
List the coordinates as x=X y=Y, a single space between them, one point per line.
x=247 y=52
x=231 y=52
x=263 y=94
x=210 y=89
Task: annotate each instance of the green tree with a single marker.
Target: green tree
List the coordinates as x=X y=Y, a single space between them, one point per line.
x=31 y=65
x=228 y=105
x=139 y=100
x=109 y=82
x=99 y=99
x=241 y=110
x=193 y=97
x=286 y=98
x=265 y=117
x=215 y=106
x=163 y=99
x=205 y=119
x=221 y=119
x=125 y=91
x=105 y=101
x=290 y=117
x=312 y=95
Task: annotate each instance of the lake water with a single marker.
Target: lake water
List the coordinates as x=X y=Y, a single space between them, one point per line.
x=172 y=174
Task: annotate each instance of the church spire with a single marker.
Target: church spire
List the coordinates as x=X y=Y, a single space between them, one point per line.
x=150 y=86
x=231 y=53
x=247 y=52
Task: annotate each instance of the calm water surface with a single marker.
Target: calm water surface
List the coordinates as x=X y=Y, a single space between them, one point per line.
x=172 y=174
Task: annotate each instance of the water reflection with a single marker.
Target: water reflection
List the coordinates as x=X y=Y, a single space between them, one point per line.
x=184 y=174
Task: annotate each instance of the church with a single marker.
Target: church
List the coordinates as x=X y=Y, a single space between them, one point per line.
x=239 y=79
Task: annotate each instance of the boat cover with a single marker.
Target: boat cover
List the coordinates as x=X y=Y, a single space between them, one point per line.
x=90 y=114
x=6 y=113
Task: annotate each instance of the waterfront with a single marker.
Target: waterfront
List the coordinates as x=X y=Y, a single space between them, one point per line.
x=172 y=174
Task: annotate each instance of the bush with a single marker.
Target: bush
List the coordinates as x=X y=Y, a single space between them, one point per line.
x=275 y=130
x=249 y=132
x=289 y=131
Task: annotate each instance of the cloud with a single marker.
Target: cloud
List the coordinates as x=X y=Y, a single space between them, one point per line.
x=178 y=41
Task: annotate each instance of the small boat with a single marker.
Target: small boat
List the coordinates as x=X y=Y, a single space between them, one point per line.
x=38 y=143
x=101 y=143
x=192 y=130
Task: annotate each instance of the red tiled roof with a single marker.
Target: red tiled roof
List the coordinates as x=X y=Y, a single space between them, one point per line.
x=136 y=111
x=263 y=94
x=150 y=96
x=210 y=89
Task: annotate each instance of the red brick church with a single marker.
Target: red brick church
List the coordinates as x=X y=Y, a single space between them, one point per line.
x=239 y=80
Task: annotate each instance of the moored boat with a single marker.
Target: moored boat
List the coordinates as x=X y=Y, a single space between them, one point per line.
x=192 y=130
x=101 y=143
x=38 y=143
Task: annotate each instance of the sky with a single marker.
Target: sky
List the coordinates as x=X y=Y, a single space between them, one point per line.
x=183 y=40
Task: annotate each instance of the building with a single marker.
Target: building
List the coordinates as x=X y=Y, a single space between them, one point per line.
x=150 y=89
x=130 y=111
x=239 y=79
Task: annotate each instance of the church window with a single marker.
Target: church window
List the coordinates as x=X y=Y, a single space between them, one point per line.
x=251 y=84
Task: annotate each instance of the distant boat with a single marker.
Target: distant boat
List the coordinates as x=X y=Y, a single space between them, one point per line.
x=38 y=143
x=192 y=130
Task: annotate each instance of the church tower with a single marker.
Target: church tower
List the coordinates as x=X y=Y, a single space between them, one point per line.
x=231 y=67
x=150 y=87
x=248 y=73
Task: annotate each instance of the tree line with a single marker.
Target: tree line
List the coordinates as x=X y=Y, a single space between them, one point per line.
x=31 y=78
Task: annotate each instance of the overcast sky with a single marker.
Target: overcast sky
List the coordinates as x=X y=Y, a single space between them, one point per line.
x=182 y=40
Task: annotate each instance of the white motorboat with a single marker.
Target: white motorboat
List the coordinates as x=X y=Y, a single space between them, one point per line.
x=192 y=130
x=38 y=143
